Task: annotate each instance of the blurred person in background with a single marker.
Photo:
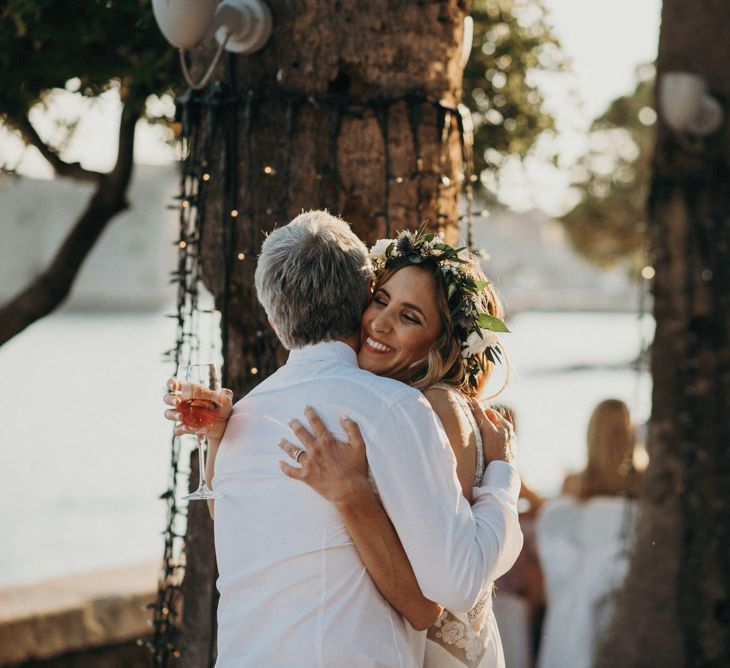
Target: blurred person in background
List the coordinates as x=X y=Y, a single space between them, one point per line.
x=519 y=594
x=584 y=539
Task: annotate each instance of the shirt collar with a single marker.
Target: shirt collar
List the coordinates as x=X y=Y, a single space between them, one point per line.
x=327 y=351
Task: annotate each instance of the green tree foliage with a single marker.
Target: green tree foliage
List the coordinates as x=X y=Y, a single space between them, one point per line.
x=85 y=46
x=608 y=225
x=512 y=43
x=98 y=44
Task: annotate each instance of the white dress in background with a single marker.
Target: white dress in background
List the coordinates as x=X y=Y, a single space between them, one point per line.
x=583 y=550
x=459 y=639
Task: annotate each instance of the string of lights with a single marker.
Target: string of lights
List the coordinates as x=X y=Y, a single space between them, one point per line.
x=196 y=141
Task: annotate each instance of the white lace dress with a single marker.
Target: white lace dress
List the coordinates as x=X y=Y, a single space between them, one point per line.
x=471 y=638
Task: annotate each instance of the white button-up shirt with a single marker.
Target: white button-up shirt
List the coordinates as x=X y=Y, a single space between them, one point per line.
x=294 y=591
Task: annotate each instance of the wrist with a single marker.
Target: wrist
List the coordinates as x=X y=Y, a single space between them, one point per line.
x=356 y=497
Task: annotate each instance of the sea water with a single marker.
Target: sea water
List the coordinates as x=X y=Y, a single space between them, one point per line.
x=85 y=449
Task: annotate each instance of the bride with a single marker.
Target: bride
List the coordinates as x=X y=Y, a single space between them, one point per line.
x=432 y=323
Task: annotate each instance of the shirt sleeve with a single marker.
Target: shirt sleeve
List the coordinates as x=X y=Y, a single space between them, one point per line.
x=455 y=549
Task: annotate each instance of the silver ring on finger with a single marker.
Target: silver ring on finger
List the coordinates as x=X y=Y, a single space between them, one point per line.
x=298 y=455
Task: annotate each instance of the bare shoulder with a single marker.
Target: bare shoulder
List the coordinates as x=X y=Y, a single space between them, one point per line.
x=440 y=398
x=445 y=406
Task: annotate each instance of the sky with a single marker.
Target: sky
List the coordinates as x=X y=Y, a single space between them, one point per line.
x=605 y=40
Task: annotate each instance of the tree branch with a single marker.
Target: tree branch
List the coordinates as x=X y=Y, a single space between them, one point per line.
x=48 y=290
x=72 y=170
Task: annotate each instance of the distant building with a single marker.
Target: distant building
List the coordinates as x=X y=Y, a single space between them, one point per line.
x=534 y=267
x=130 y=266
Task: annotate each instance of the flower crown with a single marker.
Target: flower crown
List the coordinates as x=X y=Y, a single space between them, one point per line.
x=476 y=330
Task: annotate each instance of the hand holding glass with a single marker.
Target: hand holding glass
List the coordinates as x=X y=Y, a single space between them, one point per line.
x=198 y=405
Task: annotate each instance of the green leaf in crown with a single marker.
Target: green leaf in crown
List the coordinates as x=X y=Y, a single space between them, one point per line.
x=490 y=322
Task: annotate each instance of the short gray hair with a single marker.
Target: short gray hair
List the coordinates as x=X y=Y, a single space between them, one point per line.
x=313 y=279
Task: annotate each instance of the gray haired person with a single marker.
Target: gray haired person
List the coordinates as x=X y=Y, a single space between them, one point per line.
x=313 y=280
x=293 y=588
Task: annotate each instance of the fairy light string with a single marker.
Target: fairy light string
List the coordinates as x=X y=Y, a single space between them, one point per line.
x=167 y=608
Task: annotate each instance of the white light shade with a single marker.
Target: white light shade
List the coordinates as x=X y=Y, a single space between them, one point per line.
x=244 y=25
x=686 y=106
x=184 y=23
x=468 y=41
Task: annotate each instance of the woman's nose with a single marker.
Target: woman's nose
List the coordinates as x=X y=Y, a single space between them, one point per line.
x=381 y=322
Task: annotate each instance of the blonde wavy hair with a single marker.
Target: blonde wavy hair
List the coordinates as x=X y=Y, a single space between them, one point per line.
x=611 y=441
x=444 y=363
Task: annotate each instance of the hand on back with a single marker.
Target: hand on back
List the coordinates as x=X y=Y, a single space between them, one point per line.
x=336 y=470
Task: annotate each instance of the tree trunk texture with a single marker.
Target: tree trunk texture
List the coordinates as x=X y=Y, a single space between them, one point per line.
x=675 y=606
x=346 y=145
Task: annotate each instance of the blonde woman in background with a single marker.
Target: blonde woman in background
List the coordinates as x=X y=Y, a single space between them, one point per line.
x=583 y=540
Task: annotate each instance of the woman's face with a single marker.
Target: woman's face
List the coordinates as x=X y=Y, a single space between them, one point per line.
x=401 y=323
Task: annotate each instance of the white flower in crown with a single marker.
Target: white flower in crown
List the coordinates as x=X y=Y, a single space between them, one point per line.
x=476 y=344
x=379 y=247
x=464 y=254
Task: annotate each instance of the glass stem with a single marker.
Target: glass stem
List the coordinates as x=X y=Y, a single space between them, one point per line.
x=201 y=461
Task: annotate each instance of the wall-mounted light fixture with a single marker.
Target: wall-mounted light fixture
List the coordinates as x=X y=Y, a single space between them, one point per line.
x=686 y=106
x=239 y=26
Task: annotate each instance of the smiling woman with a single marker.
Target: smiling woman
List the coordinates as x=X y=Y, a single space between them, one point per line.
x=434 y=316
